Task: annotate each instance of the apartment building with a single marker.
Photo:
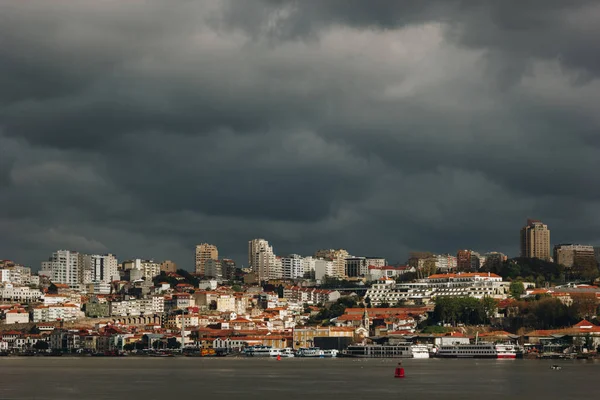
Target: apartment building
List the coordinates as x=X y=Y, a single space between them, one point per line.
x=338 y=258
x=535 y=240
x=263 y=260
x=205 y=251
x=292 y=266
x=570 y=255
x=359 y=266
x=20 y=294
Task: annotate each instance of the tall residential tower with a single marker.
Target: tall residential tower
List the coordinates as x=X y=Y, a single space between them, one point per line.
x=205 y=252
x=535 y=240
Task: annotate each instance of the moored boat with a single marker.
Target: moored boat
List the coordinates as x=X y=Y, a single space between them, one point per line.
x=477 y=350
x=310 y=352
x=419 y=351
x=402 y=350
x=506 y=351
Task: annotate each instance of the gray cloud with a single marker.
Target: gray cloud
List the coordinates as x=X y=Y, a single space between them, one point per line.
x=382 y=127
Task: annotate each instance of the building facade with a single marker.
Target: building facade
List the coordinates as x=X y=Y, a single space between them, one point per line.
x=263 y=261
x=292 y=266
x=570 y=255
x=205 y=251
x=338 y=258
x=535 y=240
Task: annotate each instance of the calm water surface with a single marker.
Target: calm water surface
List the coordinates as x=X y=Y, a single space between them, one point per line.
x=307 y=379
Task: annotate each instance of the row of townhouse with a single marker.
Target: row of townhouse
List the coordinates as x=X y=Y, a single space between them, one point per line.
x=63 y=312
x=21 y=294
x=310 y=295
x=135 y=307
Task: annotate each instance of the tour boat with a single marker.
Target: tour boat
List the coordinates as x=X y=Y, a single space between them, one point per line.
x=287 y=352
x=419 y=351
x=310 y=352
x=379 y=351
x=506 y=351
x=261 y=351
x=477 y=350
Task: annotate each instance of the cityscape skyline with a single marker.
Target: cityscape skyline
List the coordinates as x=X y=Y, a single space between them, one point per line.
x=206 y=251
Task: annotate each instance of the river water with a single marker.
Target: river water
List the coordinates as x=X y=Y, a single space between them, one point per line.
x=295 y=378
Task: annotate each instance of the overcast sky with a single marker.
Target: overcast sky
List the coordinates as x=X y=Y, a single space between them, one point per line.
x=144 y=127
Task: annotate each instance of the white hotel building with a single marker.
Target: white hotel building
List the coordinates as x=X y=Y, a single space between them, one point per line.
x=423 y=291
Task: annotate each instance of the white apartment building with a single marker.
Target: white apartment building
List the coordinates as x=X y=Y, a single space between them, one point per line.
x=4 y=275
x=308 y=264
x=20 y=294
x=62 y=312
x=104 y=268
x=263 y=260
x=292 y=266
x=64 y=267
x=16 y=274
x=148 y=268
x=135 y=307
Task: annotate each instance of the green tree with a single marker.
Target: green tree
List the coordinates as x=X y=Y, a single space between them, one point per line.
x=41 y=345
x=173 y=343
x=489 y=306
x=236 y=288
x=516 y=289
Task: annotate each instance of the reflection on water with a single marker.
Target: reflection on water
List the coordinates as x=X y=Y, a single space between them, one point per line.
x=292 y=378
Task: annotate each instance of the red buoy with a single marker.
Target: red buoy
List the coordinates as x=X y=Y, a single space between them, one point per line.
x=399 y=373
x=278 y=357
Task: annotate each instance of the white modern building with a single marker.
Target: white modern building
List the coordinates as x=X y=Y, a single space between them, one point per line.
x=64 y=267
x=292 y=266
x=62 y=312
x=423 y=291
x=104 y=268
x=263 y=260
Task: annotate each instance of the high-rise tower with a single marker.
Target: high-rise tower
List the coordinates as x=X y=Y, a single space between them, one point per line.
x=535 y=240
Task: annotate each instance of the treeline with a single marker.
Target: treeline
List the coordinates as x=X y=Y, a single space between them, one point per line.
x=529 y=270
x=464 y=310
x=546 y=312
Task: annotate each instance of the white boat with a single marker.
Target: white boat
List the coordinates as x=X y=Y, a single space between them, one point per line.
x=402 y=350
x=260 y=351
x=419 y=351
x=508 y=351
x=478 y=350
x=330 y=353
x=310 y=352
x=287 y=352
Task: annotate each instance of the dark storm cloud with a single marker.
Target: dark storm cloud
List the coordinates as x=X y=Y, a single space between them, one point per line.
x=383 y=127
